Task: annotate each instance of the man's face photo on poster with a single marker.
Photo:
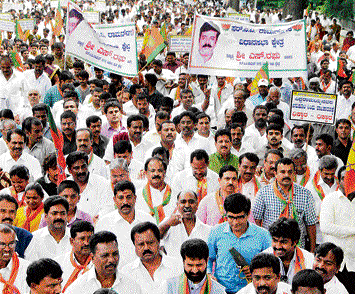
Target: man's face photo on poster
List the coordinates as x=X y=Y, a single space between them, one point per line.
x=208 y=39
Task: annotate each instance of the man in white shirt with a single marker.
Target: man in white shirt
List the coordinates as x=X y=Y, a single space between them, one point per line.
x=15 y=156
x=323 y=183
x=95 y=191
x=151 y=268
x=44 y=274
x=298 y=138
x=265 y=273
x=285 y=235
x=338 y=227
x=104 y=273
x=221 y=92
x=238 y=144
x=303 y=173
x=76 y=262
x=37 y=78
x=123 y=219
x=198 y=177
x=5 y=126
x=327 y=262
x=156 y=197
x=183 y=224
x=12 y=268
x=53 y=240
x=165 y=77
x=345 y=100
x=96 y=165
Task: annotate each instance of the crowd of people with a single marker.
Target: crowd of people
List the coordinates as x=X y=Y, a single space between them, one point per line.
x=173 y=182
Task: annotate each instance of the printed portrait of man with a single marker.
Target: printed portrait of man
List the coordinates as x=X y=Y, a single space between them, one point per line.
x=75 y=17
x=209 y=34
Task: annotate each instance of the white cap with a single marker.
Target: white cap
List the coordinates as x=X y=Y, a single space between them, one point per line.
x=263 y=82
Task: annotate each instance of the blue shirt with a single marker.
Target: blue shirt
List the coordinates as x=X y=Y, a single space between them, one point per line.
x=221 y=239
x=256 y=99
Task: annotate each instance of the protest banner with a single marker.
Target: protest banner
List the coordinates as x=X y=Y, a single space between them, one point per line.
x=313 y=107
x=179 y=43
x=239 y=16
x=6 y=16
x=230 y=48
x=7 y=25
x=140 y=43
x=86 y=44
x=27 y=24
x=92 y=16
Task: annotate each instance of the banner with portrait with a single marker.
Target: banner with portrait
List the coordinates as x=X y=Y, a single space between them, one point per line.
x=226 y=47
x=86 y=44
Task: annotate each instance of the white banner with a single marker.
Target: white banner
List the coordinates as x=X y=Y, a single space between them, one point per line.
x=27 y=24
x=92 y=16
x=230 y=48
x=6 y=16
x=313 y=107
x=240 y=16
x=84 y=43
x=7 y=25
x=179 y=43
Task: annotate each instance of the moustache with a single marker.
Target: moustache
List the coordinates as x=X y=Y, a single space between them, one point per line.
x=126 y=206
x=83 y=146
x=81 y=174
x=147 y=252
x=286 y=179
x=321 y=270
x=263 y=288
x=85 y=247
x=7 y=219
x=110 y=265
x=156 y=177
x=59 y=221
x=278 y=249
x=207 y=46
x=187 y=209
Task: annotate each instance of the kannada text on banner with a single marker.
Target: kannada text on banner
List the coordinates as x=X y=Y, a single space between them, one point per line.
x=227 y=47
x=313 y=107
x=179 y=43
x=94 y=47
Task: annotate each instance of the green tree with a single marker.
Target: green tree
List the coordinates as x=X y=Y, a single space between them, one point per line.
x=342 y=9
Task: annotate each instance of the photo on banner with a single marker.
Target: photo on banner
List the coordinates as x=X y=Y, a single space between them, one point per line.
x=227 y=47
x=97 y=48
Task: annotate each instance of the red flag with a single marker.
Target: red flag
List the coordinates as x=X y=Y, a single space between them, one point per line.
x=341 y=69
x=58 y=144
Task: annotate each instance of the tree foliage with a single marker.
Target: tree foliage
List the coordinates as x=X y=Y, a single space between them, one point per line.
x=341 y=9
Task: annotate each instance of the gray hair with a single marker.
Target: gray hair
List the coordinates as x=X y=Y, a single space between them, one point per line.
x=275 y=89
x=119 y=163
x=6 y=229
x=297 y=153
x=328 y=162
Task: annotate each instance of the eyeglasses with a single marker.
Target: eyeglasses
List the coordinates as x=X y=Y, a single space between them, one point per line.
x=11 y=245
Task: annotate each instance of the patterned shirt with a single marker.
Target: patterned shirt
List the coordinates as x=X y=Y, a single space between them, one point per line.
x=268 y=207
x=217 y=161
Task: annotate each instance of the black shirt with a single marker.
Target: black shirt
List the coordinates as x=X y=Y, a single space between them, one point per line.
x=99 y=149
x=69 y=146
x=341 y=151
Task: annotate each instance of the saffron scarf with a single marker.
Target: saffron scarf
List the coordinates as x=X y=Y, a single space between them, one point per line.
x=220 y=203
x=9 y=287
x=185 y=289
x=305 y=177
x=318 y=188
x=201 y=189
x=157 y=211
x=15 y=195
x=219 y=93
x=255 y=183
x=299 y=262
x=77 y=269
x=289 y=209
x=31 y=215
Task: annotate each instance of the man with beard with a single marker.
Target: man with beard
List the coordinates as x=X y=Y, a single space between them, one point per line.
x=255 y=132
x=76 y=262
x=160 y=267
x=265 y=273
x=285 y=234
x=194 y=253
x=99 y=141
x=68 y=126
x=37 y=146
x=84 y=141
x=303 y=173
x=198 y=177
x=37 y=78
x=95 y=192
x=53 y=240
x=237 y=232
x=238 y=144
x=104 y=273
x=223 y=156
x=183 y=224
x=274 y=136
x=298 y=138
x=327 y=262
x=284 y=198
x=123 y=219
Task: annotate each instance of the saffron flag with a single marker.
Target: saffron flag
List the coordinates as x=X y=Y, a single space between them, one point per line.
x=352 y=78
x=16 y=60
x=341 y=69
x=58 y=26
x=263 y=73
x=163 y=32
x=18 y=31
x=189 y=31
x=153 y=44
x=58 y=144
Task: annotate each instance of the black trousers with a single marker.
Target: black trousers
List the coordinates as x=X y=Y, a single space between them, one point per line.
x=347 y=278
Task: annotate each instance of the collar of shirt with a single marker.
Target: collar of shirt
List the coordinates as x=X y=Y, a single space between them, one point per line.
x=92 y=277
x=138 y=263
x=249 y=232
x=194 y=287
x=5 y=271
x=46 y=233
